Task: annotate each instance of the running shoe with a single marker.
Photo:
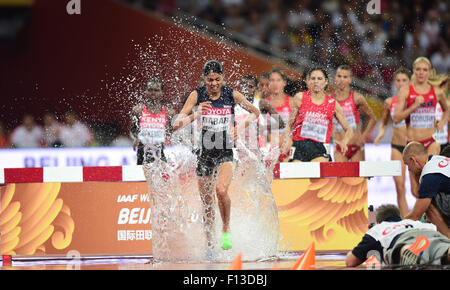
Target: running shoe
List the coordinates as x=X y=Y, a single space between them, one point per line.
x=412 y=255
x=226 y=241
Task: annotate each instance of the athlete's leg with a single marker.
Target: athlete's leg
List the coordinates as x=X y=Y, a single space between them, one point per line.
x=225 y=173
x=436 y=218
x=434 y=148
x=358 y=156
x=320 y=159
x=400 y=184
x=339 y=157
x=206 y=186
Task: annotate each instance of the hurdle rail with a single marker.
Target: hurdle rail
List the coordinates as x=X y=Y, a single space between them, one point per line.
x=129 y=173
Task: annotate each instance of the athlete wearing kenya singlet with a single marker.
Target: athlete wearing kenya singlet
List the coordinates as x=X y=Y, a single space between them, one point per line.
x=150 y=123
x=152 y=127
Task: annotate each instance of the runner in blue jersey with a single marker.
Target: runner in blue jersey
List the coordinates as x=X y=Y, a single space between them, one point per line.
x=215 y=110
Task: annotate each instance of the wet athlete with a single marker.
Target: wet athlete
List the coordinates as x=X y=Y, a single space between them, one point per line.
x=215 y=103
x=150 y=123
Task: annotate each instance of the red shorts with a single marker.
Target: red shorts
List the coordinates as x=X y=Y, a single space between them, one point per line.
x=425 y=142
x=351 y=150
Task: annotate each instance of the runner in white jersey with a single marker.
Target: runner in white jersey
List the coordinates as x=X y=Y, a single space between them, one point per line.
x=434 y=186
x=391 y=238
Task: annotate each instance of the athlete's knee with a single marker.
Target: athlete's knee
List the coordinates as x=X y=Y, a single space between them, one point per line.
x=222 y=191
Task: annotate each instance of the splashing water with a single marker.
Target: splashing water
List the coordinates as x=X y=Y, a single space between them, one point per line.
x=178 y=224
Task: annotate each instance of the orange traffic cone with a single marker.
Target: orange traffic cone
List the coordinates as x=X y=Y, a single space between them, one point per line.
x=307 y=260
x=298 y=262
x=236 y=264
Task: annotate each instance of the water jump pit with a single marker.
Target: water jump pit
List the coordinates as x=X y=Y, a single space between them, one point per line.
x=105 y=217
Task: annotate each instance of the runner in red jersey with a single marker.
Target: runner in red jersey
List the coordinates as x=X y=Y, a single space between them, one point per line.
x=417 y=104
x=150 y=121
x=402 y=77
x=352 y=104
x=311 y=121
x=281 y=102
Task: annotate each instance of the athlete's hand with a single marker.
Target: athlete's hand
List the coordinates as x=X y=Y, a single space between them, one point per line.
x=135 y=144
x=204 y=107
x=379 y=137
x=439 y=125
x=419 y=100
x=233 y=134
x=343 y=146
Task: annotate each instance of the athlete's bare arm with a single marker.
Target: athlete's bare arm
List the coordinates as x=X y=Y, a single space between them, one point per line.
x=363 y=106
x=266 y=107
x=246 y=105
x=400 y=112
x=443 y=102
x=295 y=106
x=384 y=120
x=186 y=116
x=339 y=114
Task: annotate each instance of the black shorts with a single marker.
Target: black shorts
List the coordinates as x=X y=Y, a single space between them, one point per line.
x=150 y=155
x=398 y=147
x=209 y=159
x=307 y=150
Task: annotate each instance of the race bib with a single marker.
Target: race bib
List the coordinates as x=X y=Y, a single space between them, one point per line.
x=217 y=119
x=350 y=119
x=152 y=136
x=314 y=128
x=422 y=118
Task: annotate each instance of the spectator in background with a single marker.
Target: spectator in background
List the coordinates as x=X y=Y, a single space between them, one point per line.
x=51 y=130
x=74 y=133
x=254 y=29
x=28 y=134
x=4 y=142
x=431 y=27
x=441 y=58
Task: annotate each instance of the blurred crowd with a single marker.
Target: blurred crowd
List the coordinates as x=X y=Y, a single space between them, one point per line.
x=71 y=131
x=333 y=32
